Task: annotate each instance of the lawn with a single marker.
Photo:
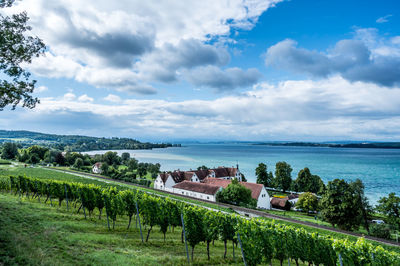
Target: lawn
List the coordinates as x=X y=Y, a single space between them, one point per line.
x=33 y=233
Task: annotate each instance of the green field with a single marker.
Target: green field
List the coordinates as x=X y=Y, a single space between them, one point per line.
x=51 y=174
x=33 y=233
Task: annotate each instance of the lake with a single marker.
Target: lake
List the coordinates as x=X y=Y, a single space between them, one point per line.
x=379 y=169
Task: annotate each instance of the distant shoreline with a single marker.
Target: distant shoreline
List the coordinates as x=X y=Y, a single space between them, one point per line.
x=374 y=145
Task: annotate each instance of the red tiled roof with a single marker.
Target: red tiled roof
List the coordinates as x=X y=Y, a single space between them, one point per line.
x=279 y=202
x=255 y=188
x=98 y=164
x=198 y=187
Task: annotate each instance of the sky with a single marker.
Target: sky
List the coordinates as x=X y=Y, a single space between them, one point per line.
x=268 y=70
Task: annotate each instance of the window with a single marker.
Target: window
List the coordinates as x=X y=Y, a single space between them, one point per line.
x=183 y=192
x=208 y=197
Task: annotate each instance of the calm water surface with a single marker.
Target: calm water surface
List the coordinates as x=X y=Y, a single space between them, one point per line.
x=379 y=169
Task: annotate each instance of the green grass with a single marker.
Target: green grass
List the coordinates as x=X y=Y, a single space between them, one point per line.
x=4 y=161
x=33 y=233
x=51 y=174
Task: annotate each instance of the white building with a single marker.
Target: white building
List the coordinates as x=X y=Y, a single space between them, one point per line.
x=166 y=180
x=197 y=190
x=258 y=191
x=96 y=169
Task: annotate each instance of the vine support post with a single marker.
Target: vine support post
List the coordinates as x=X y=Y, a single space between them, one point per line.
x=241 y=248
x=66 y=195
x=184 y=236
x=340 y=259
x=288 y=261
x=48 y=188
x=138 y=217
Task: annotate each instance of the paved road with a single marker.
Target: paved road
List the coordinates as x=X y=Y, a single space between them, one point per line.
x=243 y=211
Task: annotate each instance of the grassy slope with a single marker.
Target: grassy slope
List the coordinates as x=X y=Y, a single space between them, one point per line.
x=33 y=233
x=48 y=174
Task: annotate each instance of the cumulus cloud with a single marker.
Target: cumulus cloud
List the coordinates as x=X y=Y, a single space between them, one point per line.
x=328 y=109
x=69 y=96
x=86 y=39
x=364 y=58
x=41 y=89
x=85 y=98
x=162 y=65
x=223 y=80
x=112 y=98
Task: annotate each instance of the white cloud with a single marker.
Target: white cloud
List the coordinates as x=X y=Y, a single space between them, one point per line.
x=69 y=96
x=383 y=19
x=85 y=98
x=85 y=39
x=298 y=110
x=41 y=89
x=112 y=98
x=368 y=57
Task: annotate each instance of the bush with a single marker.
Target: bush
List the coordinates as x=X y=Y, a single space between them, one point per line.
x=4 y=162
x=380 y=230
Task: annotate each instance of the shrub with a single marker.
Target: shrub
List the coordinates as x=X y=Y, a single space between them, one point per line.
x=380 y=230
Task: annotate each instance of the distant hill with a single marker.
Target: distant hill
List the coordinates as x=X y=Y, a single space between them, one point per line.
x=76 y=142
x=371 y=145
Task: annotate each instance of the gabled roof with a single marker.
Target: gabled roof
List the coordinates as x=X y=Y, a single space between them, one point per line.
x=197 y=187
x=255 y=188
x=98 y=164
x=279 y=202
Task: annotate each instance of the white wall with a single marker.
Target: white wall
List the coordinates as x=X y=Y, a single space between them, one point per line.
x=158 y=183
x=263 y=201
x=169 y=184
x=195 y=194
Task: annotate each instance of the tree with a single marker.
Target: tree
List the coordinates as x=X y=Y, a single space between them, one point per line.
x=60 y=160
x=132 y=164
x=236 y=194
x=362 y=202
x=78 y=163
x=307 y=202
x=105 y=168
x=9 y=150
x=111 y=158
x=390 y=206
x=340 y=205
x=38 y=150
x=17 y=48
x=203 y=167
x=262 y=175
x=141 y=170
x=307 y=182
x=125 y=156
x=34 y=158
x=283 y=178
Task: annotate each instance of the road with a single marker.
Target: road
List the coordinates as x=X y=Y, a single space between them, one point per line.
x=243 y=211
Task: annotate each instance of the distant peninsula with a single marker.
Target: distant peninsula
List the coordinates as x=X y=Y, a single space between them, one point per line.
x=75 y=142
x=370 y=145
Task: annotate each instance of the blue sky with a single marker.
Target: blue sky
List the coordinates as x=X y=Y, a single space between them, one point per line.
x=217 y=70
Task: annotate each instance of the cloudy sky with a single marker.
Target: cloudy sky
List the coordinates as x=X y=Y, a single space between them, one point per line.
x=215 y=70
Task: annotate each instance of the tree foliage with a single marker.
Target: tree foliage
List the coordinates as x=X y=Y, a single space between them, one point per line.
x=17 y=48
x=9 y=150
x=283 y=175
x=306 y=182
x=236 y=194
x=263 y=177
x=390 y=206
x=343 y=204
x=307 y=202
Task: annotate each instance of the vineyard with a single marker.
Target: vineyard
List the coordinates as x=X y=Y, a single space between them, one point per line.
x=261 y=241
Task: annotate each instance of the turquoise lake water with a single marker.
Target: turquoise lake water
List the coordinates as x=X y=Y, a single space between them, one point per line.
x=379 y=169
